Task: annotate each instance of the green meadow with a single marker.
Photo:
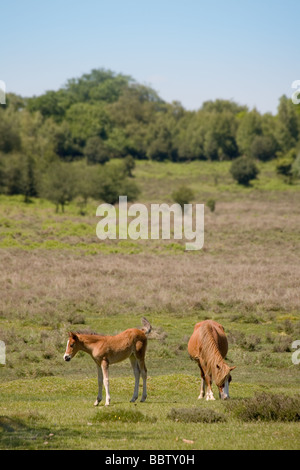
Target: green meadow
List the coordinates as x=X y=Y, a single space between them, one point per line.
x=57 y=276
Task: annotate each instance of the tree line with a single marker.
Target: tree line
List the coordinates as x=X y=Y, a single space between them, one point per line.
x=68 y=135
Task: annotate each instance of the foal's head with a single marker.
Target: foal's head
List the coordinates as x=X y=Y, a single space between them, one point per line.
x=72 y=346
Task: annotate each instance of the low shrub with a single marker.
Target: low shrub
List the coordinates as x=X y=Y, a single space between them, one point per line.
x=249 y=343
x=266 y=407
x=243 y=170
x=283 y=344
x=183 y=195
x=211 y=204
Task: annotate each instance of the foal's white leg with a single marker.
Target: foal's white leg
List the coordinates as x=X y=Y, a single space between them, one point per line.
x=104 y=366
x=202 y=389
x=100 y=385
x=136 y=372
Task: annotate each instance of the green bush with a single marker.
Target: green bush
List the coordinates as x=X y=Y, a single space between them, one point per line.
x=296 y=167
x=183 y=195
x=284 y=165
x=248 y=343
x=244 y=170
x=211 y=203
x=263 y=148
x=266 y=407
x=283 y=344
x=95 y=151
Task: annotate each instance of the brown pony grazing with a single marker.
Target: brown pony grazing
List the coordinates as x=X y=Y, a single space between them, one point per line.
x=208 y=346
x=106 y=350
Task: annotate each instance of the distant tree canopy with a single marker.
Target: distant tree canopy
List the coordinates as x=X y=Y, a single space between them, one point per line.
x=103 y=115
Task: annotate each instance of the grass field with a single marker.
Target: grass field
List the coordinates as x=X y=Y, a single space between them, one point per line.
x=56 y=276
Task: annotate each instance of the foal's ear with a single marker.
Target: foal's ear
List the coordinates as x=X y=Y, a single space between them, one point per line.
x=73 y=335
x=231 y=368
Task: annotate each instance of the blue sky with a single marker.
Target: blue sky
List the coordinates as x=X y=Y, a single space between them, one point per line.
x=187 y=50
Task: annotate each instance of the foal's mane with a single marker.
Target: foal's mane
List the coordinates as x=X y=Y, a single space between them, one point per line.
x=88 y=333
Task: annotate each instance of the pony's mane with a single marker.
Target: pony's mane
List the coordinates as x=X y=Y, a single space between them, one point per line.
x=88 y=332
x=211 y=354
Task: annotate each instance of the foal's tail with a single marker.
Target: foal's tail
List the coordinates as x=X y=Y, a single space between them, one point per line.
x=146 y=328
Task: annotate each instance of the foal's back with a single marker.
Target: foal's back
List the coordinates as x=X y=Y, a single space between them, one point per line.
x=118 y=347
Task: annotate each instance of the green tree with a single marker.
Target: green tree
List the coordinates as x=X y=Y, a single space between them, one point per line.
x=59 y=184
x=219 y=141
x=284 y=165
x=161 y=137
x=296 y=167
x=287 y=124
x=96 y=151
x=244 y=170
x=18 y=175
x=263 y=148
x=112 y=183
x=190 y=137
x=12 y=173
x=99 y=84
x=62 y=141
x=249 y=127
x=87 y=180
x=9 y=131
x=29 y=180
x=49 y=105
x=87 y=120
x=129 y=165
x=221 y=106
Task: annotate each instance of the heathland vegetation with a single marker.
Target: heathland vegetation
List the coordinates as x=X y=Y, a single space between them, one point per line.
x=98 y=137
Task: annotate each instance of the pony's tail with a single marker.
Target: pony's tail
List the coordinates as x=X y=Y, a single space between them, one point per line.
x=146 y=328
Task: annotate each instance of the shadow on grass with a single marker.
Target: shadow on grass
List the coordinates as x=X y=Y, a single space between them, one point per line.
x=17 y=433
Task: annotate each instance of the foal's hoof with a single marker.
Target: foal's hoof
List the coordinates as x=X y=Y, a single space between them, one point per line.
x=96 y=403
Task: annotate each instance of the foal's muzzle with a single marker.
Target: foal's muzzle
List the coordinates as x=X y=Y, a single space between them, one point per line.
x=67 y=358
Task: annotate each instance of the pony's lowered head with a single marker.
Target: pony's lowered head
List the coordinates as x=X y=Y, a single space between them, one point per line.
x=222 y=377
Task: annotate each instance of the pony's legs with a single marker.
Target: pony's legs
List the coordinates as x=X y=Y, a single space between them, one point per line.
x=143 y=370
x=100 y=385
x=202 y=386
x=202 y=389
x=209 y=393
x=136 y=372
x=140 y=356
x=104 y=367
